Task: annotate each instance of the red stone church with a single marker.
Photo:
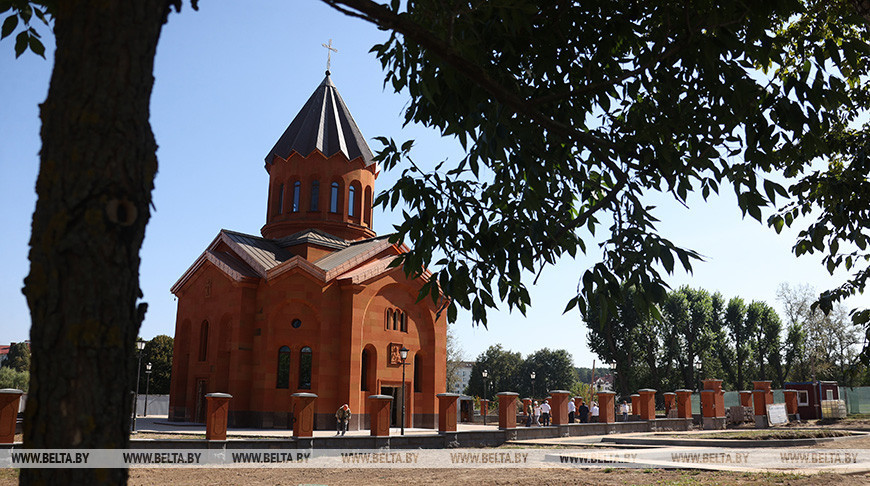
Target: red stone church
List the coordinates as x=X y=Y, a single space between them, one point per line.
x=311 y=305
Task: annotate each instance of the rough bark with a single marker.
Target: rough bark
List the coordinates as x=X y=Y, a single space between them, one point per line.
x=97 y=168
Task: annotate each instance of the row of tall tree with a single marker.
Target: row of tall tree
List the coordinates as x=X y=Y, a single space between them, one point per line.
x=508 y=371
x=698 y=334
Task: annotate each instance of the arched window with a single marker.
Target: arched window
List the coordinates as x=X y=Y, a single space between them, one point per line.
x=283 y=368
x=297 y=193
x=203 y=341
x=279 y=200
x=396 y=317
x=333 y=198
x=417 y=387
x=364 y=374
x=389 y=318
x=351 y=210
x=367 y=206
x=305 y=368
x=404 y=322
x=315 y=196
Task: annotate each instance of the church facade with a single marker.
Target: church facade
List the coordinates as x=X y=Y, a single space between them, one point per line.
x=311 y=304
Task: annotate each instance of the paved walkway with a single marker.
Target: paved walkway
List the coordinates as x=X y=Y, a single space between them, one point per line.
x=161 y=425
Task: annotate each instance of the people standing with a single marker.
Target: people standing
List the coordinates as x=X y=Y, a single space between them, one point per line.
x=572 y=408
x=545 y=413
x=342 y=418
x=583 y=411
x=530 y=412
x=594 y=412
x=537 y=413
x=624 y=409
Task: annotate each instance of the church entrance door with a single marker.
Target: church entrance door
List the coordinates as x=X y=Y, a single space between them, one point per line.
x=396 y=405
x=201 y=386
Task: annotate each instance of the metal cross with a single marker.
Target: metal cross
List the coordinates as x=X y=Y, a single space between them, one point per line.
x=329 y=53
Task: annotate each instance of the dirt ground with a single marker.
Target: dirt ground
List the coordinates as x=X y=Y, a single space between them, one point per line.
x=478 y=476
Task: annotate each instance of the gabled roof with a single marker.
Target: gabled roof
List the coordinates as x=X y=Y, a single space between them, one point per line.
x=324 y=124
x=248 y=258
x=313 y=236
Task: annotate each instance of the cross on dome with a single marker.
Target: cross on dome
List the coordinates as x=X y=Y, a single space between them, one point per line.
x=329 y=52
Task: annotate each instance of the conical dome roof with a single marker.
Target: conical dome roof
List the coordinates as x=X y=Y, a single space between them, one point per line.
x=323 y=124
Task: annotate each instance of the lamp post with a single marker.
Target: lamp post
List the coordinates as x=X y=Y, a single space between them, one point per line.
x=404 y=354
x=140 y=345
x=533 y=384
x=698 y=367
x=147 y=383
x=484 y=373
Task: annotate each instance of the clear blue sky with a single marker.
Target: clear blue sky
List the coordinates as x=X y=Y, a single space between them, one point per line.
x=229 y=79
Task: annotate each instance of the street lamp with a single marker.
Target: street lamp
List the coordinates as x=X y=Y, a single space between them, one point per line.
x=533 y=384
x=484 y=373
x=140 y=345
x=404 y=354
x=147 y=382
x=698 y=366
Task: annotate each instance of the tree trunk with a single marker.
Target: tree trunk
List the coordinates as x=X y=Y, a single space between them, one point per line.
x=97 y=168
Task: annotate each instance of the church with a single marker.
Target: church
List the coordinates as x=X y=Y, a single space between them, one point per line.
x=311 y=305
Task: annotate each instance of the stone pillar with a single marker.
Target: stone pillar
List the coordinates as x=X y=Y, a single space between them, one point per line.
x=302 y=406
x=746 y=398
x=647 y=404
x=791 y=402
x=379 y=415
x=606 y=414
x=527 y=402
x=447 y=411
x=217 y=406
x=635 y=404
x=484 y=408
x=559 y=405
x=762 y=396
x=507 y=410
x=684 y=404
x=10 y=400
x=718 y=396
x=670 y=402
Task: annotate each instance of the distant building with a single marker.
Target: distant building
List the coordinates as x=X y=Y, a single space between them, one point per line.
x=603 y=383
x=463 y=375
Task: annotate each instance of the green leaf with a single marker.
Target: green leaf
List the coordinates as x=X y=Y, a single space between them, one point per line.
x=37 y=47
x=8 y=26
x=21 y=41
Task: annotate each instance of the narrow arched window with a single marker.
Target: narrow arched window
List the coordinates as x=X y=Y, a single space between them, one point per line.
x=364 y=371
x=333 y=198
x=367 y=207
x=283 y=368
x=417 y=373
x=305 y=368
x=315 y=195
x=203 y=341
x=396 y=317
x=404 y=324
x=351 y=210
x=279 y=200
x=297 y=194
x=389 y=319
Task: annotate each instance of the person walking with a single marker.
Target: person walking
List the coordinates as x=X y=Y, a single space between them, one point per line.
x=572 y=408
x=342 y=418
x=583 y=411
x=530 y=412
x=594 y=412
x=545 y=413
x=624 y=409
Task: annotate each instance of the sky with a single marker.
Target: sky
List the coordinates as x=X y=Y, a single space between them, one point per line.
x=228 y=81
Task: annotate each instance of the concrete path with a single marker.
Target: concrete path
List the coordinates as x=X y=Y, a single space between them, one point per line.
x=161 y=425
